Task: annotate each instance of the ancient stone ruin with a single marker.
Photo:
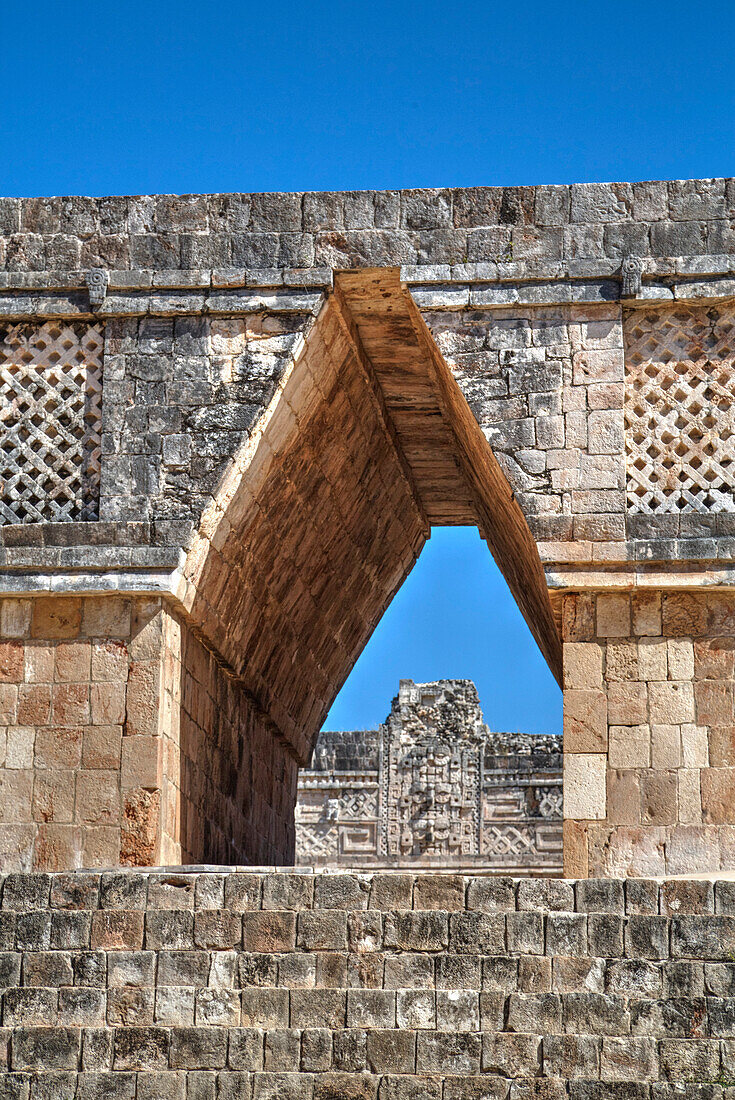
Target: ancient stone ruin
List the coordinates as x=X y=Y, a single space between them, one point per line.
x=229 y=423
x=432 y=787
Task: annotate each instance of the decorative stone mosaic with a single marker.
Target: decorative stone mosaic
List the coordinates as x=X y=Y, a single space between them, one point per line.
x=50 y=422
x=680 y=409
x=432 y=786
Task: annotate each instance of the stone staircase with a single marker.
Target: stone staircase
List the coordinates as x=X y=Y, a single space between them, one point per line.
x=210 y=984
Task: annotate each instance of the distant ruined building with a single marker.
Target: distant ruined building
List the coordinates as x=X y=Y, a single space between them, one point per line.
x=433 y=786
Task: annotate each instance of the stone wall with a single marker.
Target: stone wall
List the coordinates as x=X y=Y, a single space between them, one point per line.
x=255 y=985
x=432 y=786
x=253 y=408
x=123 y=741
x=648 y=733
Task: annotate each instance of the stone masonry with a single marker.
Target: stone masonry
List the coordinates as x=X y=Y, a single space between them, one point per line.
x=433 y=787
x=224 y=984
x=229 y=423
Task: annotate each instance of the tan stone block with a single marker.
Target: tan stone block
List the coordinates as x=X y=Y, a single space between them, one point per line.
x=722 y=746
x=3 y=746
x=578 y=618
x=680 y=655
x=57 y=848
x=16 y=791
x=613 y=616
x=585 y=721
x=718 y=795
x=56 y=617
x=684 y=615
x=139 y=837
x=16 y=847
x=694 y=745
x=146 y=630
x=671 y=703
x=72 y=662
x=646 y=608
x=101 y=846
x=575 y=849
x=11 y=662
x=19 y=746
x=714 y=658
x=39 y=663
x=97 y=798
x=8 y=703
x=652 y=659
x=142 y=698
x=627 y=850
x=58 y=747
x=726 y=836
x=107 y=617
x=107 y=704
x=140 y=762
x=53 y=796
x=585 y=786
x=34 y=704
x=623 y=798
x=15 y=618
x=621 y=661
x=582 y=665
x=110 y=661
x=101 y=747
x=627 y=704
x=714 y=699
x=665 y=746
x=658 y=798
x=690 y=804
x=692 y=849
x=117 y=930
x=70 y=705
x=630 y=747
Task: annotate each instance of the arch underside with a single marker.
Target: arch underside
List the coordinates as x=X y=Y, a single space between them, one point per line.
x=368 y=443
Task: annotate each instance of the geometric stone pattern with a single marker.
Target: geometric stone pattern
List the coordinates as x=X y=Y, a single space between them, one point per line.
x=196 y=986
x=680 y=409
x=51 y=420
x=432 y=787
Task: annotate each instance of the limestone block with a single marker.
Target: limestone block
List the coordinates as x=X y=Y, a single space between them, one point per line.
x=680 y=656
x=621 y=661
x=585 y=786
x=613 y=616
x=646 y=608
x=666 y=746
x=694 y=746
x=658 y=798
x=690 y=804
x=629 y=746
x=718 y=795
x=582 y=665
x=585 y=721
x=671 y=703
x=627 y=704
x=652 y=658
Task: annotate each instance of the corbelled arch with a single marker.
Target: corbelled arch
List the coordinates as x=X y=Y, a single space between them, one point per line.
x=367 y=444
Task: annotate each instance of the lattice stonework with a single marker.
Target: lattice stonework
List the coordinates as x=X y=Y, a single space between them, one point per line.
x=680 y=409
x=50 y=422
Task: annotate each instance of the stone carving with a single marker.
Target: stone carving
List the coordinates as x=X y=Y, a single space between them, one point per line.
x=631 y=271
x=680 y=409
x=433 y=787
x=97 y=282
x=50 y=421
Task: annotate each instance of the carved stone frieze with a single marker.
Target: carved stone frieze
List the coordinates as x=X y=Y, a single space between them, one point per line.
x=433 y=787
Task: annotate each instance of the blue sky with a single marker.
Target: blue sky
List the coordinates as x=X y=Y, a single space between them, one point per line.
x=181 y=97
